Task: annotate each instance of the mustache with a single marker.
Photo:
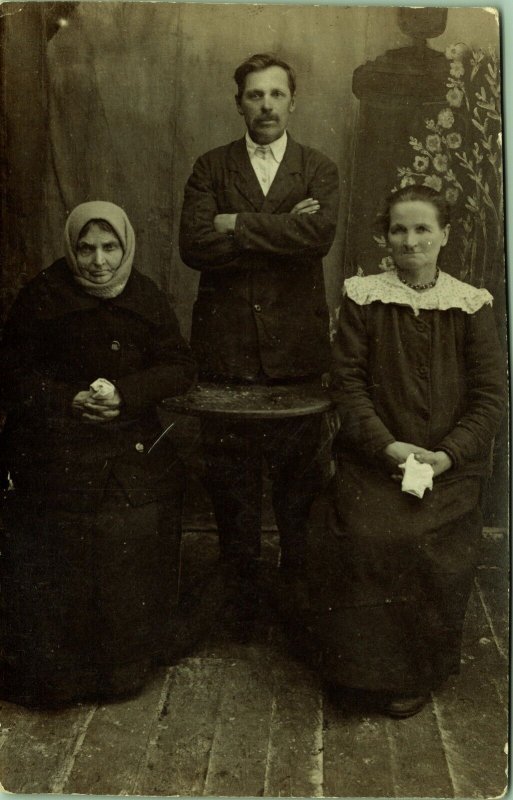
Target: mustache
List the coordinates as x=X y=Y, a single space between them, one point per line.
x=268 y=118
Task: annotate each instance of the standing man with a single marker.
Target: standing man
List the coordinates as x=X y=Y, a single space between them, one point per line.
x=258 y=216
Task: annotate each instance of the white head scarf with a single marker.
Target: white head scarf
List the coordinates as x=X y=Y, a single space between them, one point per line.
x=120 y=224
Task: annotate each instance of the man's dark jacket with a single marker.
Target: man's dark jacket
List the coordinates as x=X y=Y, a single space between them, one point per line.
x=261 y=303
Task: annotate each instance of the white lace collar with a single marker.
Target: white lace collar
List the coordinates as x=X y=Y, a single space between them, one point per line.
x=386 y=287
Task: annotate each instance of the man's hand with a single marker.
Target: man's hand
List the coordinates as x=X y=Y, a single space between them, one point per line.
x=438 y=459
x=225 y=223
x=97 y=409
x=308 y=206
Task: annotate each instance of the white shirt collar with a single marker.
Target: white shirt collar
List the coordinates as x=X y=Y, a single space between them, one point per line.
x=276 y=148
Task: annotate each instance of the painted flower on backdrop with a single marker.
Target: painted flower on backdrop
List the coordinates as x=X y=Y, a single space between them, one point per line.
x=454 y=140
x=457 y=70
x=454 y=98
x=408 y=180
x=446 y=117
x=434 y=181
x=434 y=143
x=441 y=162
x=386 y=264
x=451 y=195
x=454 y=52
x=421 y=163
x=460 y=153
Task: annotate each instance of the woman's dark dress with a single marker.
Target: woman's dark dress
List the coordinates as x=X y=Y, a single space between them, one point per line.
x=389 y=574
x=91 y=536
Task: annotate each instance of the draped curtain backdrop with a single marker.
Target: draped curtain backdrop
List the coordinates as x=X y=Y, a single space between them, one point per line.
x=123 y=97
x=136 y=91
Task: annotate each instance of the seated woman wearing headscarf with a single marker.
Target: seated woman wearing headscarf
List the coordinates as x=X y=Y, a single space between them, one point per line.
x=418 y=377
x=91 y=540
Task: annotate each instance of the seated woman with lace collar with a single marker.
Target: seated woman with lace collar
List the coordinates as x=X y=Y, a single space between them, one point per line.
x=418 y=372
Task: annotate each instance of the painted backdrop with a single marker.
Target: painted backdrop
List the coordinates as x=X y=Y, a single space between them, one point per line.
x=136 y=91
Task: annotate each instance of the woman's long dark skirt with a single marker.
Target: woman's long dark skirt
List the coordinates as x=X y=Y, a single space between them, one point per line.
x=389 y=578
x=87 y=598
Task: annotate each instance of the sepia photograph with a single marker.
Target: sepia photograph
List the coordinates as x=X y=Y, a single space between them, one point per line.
x=254 y=422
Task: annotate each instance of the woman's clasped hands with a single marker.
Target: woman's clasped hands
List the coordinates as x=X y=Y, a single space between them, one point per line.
x=398 y=452
x=97 y=406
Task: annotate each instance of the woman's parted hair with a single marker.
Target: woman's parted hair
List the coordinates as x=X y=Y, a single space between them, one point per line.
x=100 y=223
x=258 y=62
x=426 y=194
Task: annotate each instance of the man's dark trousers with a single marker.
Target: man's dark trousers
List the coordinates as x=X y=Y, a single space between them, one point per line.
x=234 y=456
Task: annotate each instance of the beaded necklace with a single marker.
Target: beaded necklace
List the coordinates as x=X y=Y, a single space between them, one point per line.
x=419 y=287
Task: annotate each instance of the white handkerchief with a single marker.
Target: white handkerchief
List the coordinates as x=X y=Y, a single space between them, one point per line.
x=102 y=388
x=417 y=477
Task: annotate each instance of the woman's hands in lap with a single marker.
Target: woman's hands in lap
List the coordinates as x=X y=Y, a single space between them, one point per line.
x=96 y=410
x=398 y=452
x=438 y=459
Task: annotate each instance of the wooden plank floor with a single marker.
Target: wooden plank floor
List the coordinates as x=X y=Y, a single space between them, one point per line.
x=246 y=719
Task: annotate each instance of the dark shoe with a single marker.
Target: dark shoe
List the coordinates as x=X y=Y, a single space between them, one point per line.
x=401 y=706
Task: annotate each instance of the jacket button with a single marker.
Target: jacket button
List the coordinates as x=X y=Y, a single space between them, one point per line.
x=257 y=307
x=423 y=371
x=139 y=447
x=115 y=345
